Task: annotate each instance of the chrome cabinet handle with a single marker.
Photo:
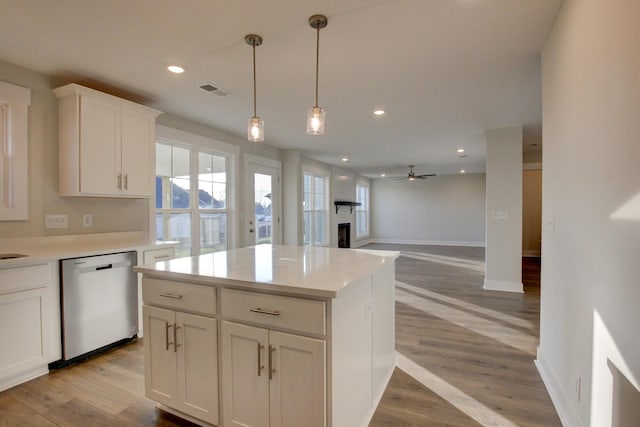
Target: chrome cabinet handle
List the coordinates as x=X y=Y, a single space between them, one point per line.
x=260 y=365
x=271 y=370
x=262 y=311
x=161 y=257
x=166 y=336
x=172 y=296
x=175 y=338
x=126 y=181
x=119 y=181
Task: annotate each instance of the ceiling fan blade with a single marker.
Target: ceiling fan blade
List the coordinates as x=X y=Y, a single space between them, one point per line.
x=425 y=176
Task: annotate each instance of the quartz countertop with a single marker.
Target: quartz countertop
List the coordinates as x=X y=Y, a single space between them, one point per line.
x=53 y=248
x=302 y=270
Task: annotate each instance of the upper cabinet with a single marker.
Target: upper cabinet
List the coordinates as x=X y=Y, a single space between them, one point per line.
x=106 y=144
x=14 y=130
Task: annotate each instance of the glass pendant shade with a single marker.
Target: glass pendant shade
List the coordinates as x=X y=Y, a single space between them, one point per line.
x=315 y=121
x=255 y=129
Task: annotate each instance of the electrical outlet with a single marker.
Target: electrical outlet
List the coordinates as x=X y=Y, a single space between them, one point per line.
x=500 y=214
x=56 y=221
x=87 y=220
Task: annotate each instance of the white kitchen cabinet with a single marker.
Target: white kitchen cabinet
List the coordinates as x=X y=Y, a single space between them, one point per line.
x=272 y=378
x=25 y=316
x=106 y=144
x=150 y=256
x=181 y=349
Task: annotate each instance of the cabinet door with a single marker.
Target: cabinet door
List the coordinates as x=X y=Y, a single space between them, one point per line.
x=23 y=315
x=297 y=389
x=197 y=350
x=138 y=153
x=160 y=357
x=100 y=136
x=245 y=378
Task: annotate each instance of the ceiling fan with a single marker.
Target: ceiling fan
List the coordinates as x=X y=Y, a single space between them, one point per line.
x=412 y=175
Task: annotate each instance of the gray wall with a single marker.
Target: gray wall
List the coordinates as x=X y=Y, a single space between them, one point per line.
x=439 y=210
x=590 y=209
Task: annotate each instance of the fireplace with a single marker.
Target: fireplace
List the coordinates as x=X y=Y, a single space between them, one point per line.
x=344 y=235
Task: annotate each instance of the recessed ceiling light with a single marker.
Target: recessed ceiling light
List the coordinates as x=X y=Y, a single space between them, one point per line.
x=345 y=159
x=460 y=150
x=383 y=175
x=462 y=171
x=378 y=112
x=175 y=69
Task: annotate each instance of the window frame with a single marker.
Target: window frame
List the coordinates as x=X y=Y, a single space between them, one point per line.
x=325 y=176
x=364 y=207
x=197 y=144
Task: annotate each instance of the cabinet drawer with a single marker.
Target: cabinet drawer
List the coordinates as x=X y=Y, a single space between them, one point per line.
x=156 y=255
x=180 y=296
x=295 y=314
x=23 y=278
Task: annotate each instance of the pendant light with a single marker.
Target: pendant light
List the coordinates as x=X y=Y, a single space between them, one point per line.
x=315 y=117
x=255 y=128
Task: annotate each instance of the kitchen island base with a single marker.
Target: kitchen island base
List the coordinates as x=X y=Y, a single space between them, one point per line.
x=313 y=345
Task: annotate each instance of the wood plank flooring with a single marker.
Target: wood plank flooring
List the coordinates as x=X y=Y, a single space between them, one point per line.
x=465 y=358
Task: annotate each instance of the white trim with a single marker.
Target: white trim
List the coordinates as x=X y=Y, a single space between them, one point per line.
x=182 y=137
x=502 y=285
x=360 y=243
x=23 y=377
x=565 y=411
x=276 y=208
x=427 y=242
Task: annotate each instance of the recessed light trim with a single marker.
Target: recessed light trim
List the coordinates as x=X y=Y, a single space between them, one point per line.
x=460 y=150
x=345 y=159
x=175 y=69
x=463 y=171
x=383 y=175
x=379 y=112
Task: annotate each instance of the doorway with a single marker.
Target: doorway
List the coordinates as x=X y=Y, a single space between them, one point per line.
x=263 y=204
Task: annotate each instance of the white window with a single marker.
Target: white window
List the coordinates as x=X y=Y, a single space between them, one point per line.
x=14 y=104
x=315 y=203
x=193 y=197
x=362 y=211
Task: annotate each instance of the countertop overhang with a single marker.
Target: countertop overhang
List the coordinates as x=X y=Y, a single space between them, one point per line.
x=302 y=270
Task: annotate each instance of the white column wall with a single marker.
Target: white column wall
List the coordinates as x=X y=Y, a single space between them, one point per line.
x=503 y=259
x=591 y=211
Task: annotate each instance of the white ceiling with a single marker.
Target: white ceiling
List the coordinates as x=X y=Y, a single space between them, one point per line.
x=444 y=70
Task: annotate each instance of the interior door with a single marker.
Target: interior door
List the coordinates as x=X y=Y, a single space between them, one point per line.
x=262 y=212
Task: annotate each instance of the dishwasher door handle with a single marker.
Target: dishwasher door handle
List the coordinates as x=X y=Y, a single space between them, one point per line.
x=104 y=267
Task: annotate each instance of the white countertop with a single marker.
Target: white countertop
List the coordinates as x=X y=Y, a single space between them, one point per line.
x=45 y=249
x=313 y=271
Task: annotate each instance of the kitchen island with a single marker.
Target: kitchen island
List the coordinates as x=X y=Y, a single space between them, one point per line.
x=270 y=335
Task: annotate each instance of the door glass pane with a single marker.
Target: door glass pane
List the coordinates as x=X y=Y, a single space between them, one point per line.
x=176 y=227
x=262 y=192
x=213 y=232
x=307 y=227
x=319 y=227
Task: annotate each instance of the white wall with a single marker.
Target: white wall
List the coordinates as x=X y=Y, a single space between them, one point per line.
x=503 y=255
x=448 y=209
x=591 y=207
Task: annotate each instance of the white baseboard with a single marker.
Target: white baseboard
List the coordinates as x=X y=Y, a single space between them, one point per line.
x=502 y=285
x=428 y=242
x=23 y=377
x=565 y=411
x=360 y=243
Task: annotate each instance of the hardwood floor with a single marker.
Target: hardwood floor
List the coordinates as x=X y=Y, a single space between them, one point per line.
x=464 y=358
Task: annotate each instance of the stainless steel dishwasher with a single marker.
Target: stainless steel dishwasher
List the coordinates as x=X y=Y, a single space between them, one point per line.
x=99 y=302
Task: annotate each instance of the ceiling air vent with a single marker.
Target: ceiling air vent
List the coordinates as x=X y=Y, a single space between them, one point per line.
x=216 y=90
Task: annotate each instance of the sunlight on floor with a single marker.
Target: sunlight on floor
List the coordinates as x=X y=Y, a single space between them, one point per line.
x=447 y=260
x=487 y=328
x=482 y=414
x=515 y=321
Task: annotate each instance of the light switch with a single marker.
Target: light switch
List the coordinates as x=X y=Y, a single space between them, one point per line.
x=500 y=214
x=56 y=221
x=87 y=220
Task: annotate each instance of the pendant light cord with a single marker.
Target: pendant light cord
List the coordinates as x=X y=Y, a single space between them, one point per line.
x=317 y=60
x=253 y=44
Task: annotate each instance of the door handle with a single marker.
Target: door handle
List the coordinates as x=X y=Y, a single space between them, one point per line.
x=271 y=369
x=260 y=365
x=166 y=336
x=175 y=338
